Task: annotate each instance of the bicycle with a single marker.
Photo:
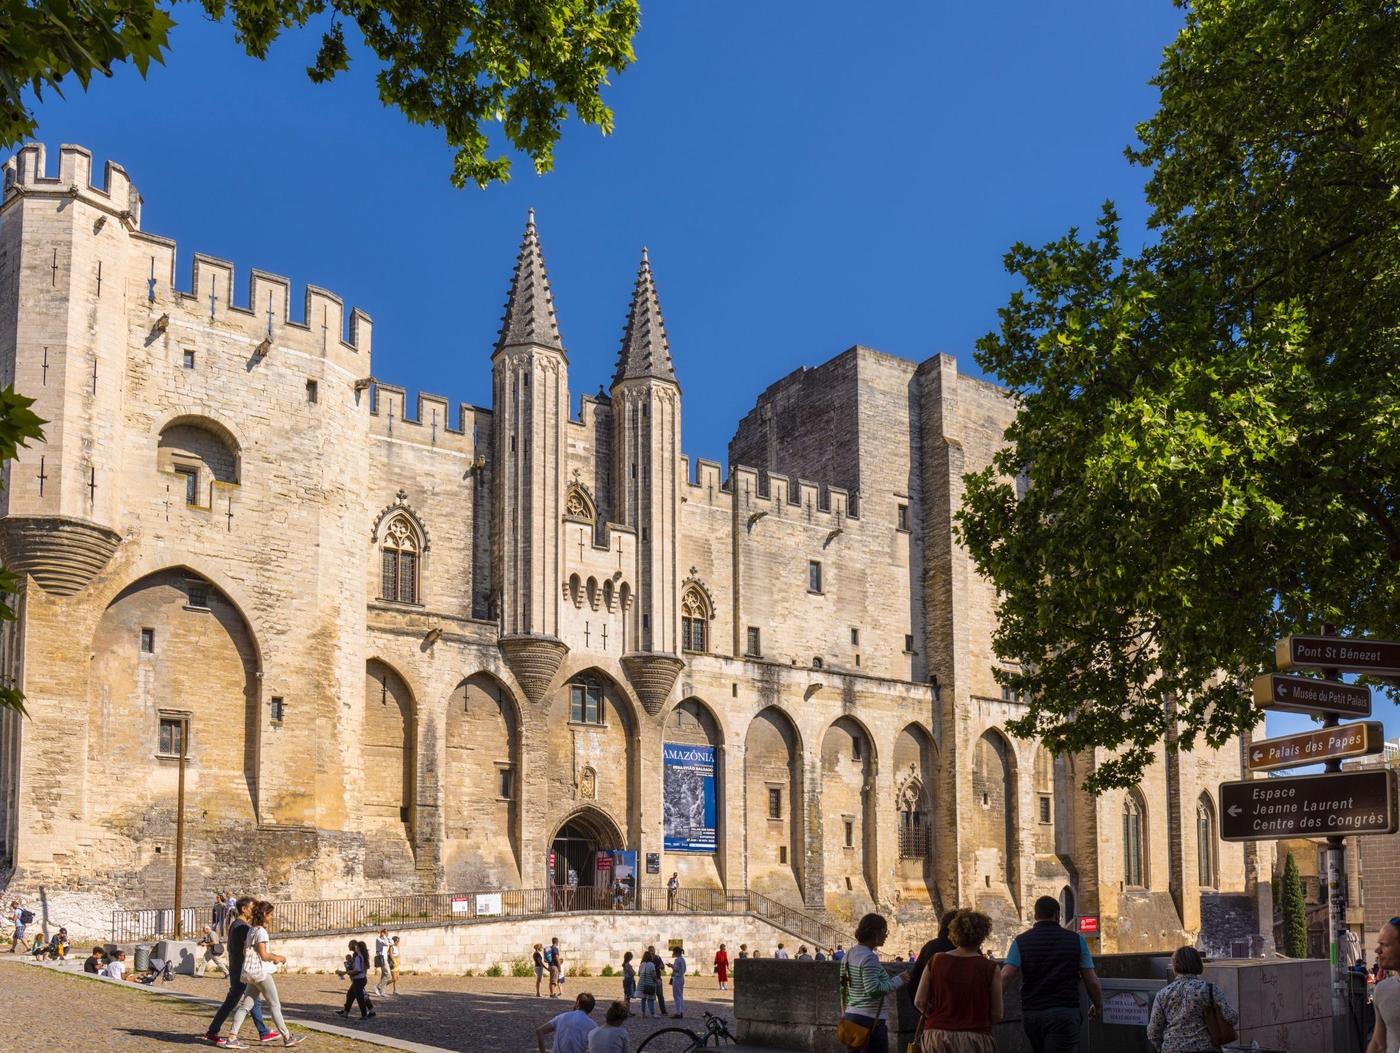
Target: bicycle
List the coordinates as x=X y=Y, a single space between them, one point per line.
x=684 y=1040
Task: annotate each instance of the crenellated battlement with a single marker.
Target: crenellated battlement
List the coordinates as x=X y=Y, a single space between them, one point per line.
x=431 y=423
x=27 y=172
x=773 y=492
x=326 y=329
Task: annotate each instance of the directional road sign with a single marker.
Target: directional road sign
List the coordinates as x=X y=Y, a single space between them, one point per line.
x=1335 y=804
x=1297 y=694
x=1350 y=654
x=1310 y=747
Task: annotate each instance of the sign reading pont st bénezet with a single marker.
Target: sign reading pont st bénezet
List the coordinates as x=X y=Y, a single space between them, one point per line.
x=1311 y=747
x=1297 y=694
x=1335 y=804
x=1348 y=654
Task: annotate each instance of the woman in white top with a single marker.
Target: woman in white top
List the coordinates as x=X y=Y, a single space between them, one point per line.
x=259 y=964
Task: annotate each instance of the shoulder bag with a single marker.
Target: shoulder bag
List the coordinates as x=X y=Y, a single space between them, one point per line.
x=1220 y=1030
x=254 y=970
x=848 y=1032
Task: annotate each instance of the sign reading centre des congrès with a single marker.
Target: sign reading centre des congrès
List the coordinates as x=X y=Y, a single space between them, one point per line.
x=688 y=797
x=1334 y=804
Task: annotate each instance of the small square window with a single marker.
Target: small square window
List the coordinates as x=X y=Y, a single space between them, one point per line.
x=909 y=643
x=174 y=733
x=782 y=853
x=506 y=785
x=775 y=803
x=198 y=594
x=903 y=517
x=148 y=641
x=312 y=391
x=188 y=360
x=1045 y=808
x=814 y=576
x=191 y=480
x=850 y=833
x=753 y=647
x=278 y=709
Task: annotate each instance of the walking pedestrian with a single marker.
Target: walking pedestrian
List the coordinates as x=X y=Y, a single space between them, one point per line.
x=672 y=887
x=220 y=909
x=1386 y=994
x=357 y=969
x=238 y=929
x=213 y=955
x=570 y=1029
x=838 y=955
x=259 y=965
x=722 y=967
x=1052 y=962
x=1178 y=1022
x=394 y=966
x=382 y=943
x=867 y=985
x=802 y=955
x=629 y=981
x=612 y=1036
x=959 y=992
x=538 y=955
x=20 y=917
x=678 y=983
x=647 y=983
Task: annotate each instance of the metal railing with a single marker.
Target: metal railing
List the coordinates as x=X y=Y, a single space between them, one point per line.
x=309 y=917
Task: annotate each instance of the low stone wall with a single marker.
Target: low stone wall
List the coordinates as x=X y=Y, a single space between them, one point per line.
x=795 y=1005
x=1284 y=1003
x=588 y=940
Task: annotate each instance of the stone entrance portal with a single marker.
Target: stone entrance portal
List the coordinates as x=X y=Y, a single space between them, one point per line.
x=575 y=882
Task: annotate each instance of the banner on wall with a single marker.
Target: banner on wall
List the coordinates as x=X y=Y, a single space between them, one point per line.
x=688 y=798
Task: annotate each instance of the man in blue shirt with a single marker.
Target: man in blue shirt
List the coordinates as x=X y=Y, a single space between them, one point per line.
x=1052 y=961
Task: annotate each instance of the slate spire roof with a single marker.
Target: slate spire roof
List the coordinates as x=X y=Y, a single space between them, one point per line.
x=645 y=352
x=529 y=317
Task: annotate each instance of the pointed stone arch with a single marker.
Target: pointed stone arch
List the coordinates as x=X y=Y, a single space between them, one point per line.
x=579 y=503
x=389 y=755
x=991 y=828
x=774 y=790
x=848 y=767
x=913 y=769
x=482 y=784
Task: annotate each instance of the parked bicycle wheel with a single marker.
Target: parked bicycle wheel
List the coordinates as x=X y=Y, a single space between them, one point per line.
x=671 y=1040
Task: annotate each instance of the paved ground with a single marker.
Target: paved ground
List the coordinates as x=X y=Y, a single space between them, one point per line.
x=468 y=1014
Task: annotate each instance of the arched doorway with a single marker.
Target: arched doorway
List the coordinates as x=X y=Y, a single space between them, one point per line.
x=574 y=877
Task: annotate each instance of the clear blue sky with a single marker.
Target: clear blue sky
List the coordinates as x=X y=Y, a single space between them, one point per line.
x=807 y=176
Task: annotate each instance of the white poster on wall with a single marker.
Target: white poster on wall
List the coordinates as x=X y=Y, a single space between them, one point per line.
x=488 y=904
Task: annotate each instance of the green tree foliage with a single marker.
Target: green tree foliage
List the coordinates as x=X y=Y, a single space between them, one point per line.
x=18 y=425
x=1294 y=911
x=453 y=64
x=1210 y=424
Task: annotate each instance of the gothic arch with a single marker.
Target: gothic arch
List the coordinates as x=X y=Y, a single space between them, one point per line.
x=1137 y=859
x=598 y=822
x=700 y=713
x=580 y=504
x=994 y=821
x=482 y=783
x=848 y=767
x=1207 y=842
x=775 y=811
x=388 y=744
x=401 y=508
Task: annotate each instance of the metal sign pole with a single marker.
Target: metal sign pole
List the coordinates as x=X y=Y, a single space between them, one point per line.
x=1336 y=876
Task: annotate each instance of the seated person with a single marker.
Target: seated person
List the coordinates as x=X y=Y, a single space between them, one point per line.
x=116 y=968
x=95 y=961
x=58 y=945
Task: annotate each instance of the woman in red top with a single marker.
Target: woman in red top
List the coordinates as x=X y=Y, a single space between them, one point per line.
x=722 y=968
x=960 y=991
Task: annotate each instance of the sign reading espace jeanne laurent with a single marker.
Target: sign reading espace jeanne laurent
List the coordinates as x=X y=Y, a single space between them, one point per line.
x=1349 y=654
x=1334 y=804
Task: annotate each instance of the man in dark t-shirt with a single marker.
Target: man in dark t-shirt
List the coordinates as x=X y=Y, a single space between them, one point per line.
x=237 y=948
x=939 y=944
x=1052 y=962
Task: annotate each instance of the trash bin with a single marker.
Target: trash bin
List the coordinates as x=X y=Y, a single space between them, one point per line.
x=143 y=957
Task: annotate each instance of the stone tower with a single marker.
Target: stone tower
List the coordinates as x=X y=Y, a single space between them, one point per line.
x=646 y=489
x=66 y=348
x=530 y=375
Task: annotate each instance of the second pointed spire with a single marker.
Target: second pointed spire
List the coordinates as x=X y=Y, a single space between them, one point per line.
x=645 y=352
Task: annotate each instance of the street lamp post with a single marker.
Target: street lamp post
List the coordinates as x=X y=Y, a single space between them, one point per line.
x=180 y=833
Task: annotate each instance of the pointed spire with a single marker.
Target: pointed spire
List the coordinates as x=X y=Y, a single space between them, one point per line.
x=645 y=352
x=529 y=317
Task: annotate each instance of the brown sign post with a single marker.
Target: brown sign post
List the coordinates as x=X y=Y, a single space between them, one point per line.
x=1313 y=747
x=1332 y=805
x=1298 y=694
x=1347 y=654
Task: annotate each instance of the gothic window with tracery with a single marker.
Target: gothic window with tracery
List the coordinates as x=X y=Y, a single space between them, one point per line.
x=913 y=825
x=1134 y=850
x=695 y=617
x=577 y=505
x=401 y=549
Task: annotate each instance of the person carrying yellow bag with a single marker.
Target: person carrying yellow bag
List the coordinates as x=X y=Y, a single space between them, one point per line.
x=865 y=986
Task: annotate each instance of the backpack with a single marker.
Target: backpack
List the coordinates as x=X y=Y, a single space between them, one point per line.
x=26 y=916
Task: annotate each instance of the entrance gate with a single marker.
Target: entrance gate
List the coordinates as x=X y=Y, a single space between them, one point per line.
x=575 y=881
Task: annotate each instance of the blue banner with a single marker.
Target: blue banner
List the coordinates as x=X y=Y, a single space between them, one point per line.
x=688 y=798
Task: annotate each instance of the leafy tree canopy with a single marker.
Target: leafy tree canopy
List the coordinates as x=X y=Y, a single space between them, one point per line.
x=1211 y=425
x=454 y=64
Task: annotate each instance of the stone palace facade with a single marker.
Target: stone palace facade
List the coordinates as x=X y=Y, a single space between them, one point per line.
x=409 y=646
